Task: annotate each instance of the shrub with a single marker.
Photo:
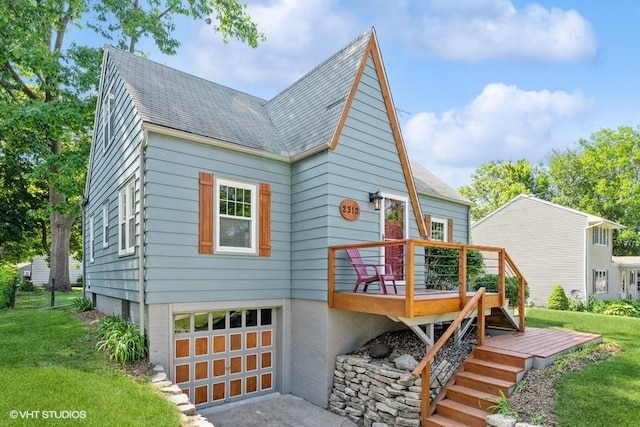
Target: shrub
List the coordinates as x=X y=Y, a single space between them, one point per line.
x=27 y=286
x=8 y=274
x=620 y=308
x=81 y=304
x=490 y=282
x=121 y=340
x=558 y=299
x=577 y=304
x=79 y=281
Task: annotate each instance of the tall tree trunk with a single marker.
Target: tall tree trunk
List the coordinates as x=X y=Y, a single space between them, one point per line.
x=60 y=235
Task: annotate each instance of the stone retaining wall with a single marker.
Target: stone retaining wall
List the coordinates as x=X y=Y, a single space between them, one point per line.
x=368 y=393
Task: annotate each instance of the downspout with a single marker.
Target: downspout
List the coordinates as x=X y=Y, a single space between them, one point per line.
x=586 y=257
x=83 y=206
x=141 y=250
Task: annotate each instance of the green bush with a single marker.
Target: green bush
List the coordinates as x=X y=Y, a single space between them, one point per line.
x=79 y=281
x=621 y=308
x=81 y=304
x=121 y=340
x=577 y=304
x=490 y=282
x=8 y=273
x=26 y=286
x=558 y=299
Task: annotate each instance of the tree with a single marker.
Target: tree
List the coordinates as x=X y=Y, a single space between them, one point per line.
x=602 y=177
x=495 y=183
x=558 y=299
x=48 y=86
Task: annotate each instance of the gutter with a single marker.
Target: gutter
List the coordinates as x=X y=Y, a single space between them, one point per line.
x=141 y=251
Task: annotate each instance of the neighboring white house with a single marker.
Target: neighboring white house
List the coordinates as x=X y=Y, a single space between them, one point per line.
x=553 y=244
x=37 y=270
x=629 y=267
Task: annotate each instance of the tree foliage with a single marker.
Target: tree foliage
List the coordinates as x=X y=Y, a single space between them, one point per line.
x=602 y=177
x=47 y=101
x=558 y=299
x=495 y=183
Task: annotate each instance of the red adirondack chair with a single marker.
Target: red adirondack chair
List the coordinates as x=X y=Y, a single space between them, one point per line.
x=369 y=273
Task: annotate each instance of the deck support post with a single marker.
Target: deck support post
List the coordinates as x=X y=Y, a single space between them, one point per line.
x=426 y=337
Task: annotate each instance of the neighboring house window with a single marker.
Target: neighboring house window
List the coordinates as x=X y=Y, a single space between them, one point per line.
x=126 y=218
x=438 y=230
x=91 y=224
x=109 y=119
x=600 y=282
x=601 y=236
x=105 y=225
x=236 y=208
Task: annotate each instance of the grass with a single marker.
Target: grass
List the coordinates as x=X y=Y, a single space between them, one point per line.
x=48 y=362
x=42 y=298
x=605 y=393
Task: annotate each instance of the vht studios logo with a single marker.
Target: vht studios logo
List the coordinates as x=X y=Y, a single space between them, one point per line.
x=50 y=415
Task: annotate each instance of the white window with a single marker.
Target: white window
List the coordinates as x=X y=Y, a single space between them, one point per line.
x=127 y=218
x=236 y=215
x=109 y=118
x=91 y=224
x=438 y=229
x=105 y=224
x=600 y=282
x=601 y=236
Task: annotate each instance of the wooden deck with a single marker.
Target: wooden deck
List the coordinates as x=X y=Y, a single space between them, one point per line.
x=543 y=345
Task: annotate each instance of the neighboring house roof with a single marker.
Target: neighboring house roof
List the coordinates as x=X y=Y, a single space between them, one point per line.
x=627 y=261
x=592 y=220
x=429 y=184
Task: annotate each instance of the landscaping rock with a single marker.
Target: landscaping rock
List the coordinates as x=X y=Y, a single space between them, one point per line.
x=159 y=376
x=172 y=389
x=380 y=351
x=178 y=399
x=406 y=362
x=188 y=409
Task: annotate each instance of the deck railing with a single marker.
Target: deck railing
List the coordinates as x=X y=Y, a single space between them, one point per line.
x=424 y=367
x=422 y=265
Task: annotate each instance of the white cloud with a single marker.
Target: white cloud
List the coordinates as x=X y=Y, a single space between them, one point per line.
x=503 y=122
x=297 y=32
x=495 y=29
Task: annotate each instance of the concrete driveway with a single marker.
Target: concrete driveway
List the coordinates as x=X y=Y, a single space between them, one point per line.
x=274 y=410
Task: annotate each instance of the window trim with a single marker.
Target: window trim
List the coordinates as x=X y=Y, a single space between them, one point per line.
x=596 y=274
x=105 y=224
x=91 y=239
x=128 y=190
x=253 y=248
x=445 y=226
x=600 y=235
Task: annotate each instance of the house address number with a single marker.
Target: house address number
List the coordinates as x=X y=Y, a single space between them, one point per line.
x=349 y=209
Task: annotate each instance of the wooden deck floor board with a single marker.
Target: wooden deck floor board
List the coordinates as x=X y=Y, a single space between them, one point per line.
x=541 y=343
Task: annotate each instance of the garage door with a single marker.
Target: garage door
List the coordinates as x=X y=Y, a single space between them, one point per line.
x=223 y=356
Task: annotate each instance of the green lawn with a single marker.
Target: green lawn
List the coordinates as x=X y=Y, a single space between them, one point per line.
x=606 y=393
x=48 y=362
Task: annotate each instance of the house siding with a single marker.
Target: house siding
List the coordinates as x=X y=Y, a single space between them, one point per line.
x=599 y=258
x=39 y=270
x=175 y=271
x=365 y=159
x=110 y=274
x=546 y=242
x=445 y=209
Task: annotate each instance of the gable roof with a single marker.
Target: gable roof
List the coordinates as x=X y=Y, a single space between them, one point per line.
x=592 y=220
x=305 y=118
x=429 y=184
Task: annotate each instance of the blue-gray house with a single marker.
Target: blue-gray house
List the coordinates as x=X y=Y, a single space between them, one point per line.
x=209 y=213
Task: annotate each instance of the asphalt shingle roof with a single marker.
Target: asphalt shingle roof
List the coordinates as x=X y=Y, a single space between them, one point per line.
x=428 y=183
x=303 y=116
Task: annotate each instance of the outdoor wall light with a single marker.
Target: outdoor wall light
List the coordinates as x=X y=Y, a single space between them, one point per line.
x=376 y=199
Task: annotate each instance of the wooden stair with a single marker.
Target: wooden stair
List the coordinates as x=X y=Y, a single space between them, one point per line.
x=485 y=374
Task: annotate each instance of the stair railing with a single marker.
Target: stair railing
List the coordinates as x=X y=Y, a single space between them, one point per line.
x=424 y=367
x=522 y=285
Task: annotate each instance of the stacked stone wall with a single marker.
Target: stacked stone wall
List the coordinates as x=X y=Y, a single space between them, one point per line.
x=372 y=394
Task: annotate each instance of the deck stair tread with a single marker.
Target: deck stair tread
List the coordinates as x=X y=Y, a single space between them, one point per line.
x=501 y=356
x=462 y=413
x=470 y=396
x=440 y=421
x=486 y=379
x=493 y=369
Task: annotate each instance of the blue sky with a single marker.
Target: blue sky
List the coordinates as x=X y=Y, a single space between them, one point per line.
x=472 y=80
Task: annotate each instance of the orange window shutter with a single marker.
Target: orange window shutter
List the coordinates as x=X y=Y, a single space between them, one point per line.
x=427 y=225
x=205 y=245
x=264 y=233
x=450 y=230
